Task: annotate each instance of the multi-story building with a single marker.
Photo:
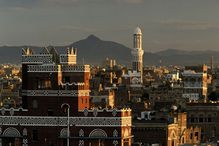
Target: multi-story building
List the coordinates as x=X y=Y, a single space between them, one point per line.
x=164 y=132
x=9 y=92
x=206 y=116
x=195 y=83
x=55 y=107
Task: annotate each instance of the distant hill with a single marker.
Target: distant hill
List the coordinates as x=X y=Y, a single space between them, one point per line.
x=93 y=50
x=12 y=54
x=181 y=57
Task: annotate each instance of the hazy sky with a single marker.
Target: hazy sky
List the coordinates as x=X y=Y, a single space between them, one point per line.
x=180 y=24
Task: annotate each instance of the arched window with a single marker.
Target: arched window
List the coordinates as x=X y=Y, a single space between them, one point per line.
x=183 y=140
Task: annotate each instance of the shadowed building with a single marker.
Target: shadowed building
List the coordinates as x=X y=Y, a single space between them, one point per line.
x=152 y=130
x=55 y=97
x=206 y=116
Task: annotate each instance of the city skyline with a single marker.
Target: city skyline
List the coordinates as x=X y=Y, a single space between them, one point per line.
x=183 y=25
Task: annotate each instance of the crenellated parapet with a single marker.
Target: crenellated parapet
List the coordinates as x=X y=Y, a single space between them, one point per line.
x=49 y=56
x=70 y=57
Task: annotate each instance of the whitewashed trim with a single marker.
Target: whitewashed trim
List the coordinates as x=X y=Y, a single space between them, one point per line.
x=11 y=132
x=37 y=59
x=96 y=133
x=75 y=68
x=44 y=68
x=57 y=68
x=62 y=121
x=53 y=93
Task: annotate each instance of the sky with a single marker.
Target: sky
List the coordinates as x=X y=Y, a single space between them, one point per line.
x=177 y=24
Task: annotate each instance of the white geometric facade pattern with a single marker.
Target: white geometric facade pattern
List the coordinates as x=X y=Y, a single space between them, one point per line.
x=115 y=142
x=62 y=121
x=11 y=132
x=85 y=112
x=57 y=68
x=114 y=112
x=51 y=93
x=98 y=133
x=95 y=113
x=3 y=111
x=25 y=142
x=81 y=133
x=63 y=133
x=37 y=59
x=81 y=143
x=115 y=133
x=24 y=132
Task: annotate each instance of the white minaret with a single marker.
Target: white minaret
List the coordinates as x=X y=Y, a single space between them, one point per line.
x=137 y=52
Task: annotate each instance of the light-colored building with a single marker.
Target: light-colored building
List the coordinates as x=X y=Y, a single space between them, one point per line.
x=195 y=83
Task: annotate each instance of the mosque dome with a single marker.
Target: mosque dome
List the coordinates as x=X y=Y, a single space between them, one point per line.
x=137 y=30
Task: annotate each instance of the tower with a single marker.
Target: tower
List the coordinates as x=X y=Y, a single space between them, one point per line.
x=50 y=74
x=137 y=52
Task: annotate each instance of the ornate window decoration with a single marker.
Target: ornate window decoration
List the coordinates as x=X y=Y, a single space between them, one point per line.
x=85 y=112
x=98 y=133
x=115 y=142
x=3 y=111
x=114 y=112
x=11 y=132
x=81 y=143
x=63 y=133
x=81 y=133
x=115 y=133
x=12 y=111
x=24 y=132
x=25 y=142
x=95 y=112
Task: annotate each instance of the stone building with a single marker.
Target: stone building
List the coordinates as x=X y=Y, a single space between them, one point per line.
x=164 y=132
x=206 y=116
x=195 y=83
x=55 y=98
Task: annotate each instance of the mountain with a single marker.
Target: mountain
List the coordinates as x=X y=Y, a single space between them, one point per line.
x=181 y=57
x=12 y=54
x=171 y=52
x=93 y=50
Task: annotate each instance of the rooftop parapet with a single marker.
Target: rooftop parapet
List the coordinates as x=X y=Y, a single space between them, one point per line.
x=47 y=56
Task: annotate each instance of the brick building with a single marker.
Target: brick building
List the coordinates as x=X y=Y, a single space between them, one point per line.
x=53 y=87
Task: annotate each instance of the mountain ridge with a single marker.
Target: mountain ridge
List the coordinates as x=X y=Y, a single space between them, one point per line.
x=94 y=50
